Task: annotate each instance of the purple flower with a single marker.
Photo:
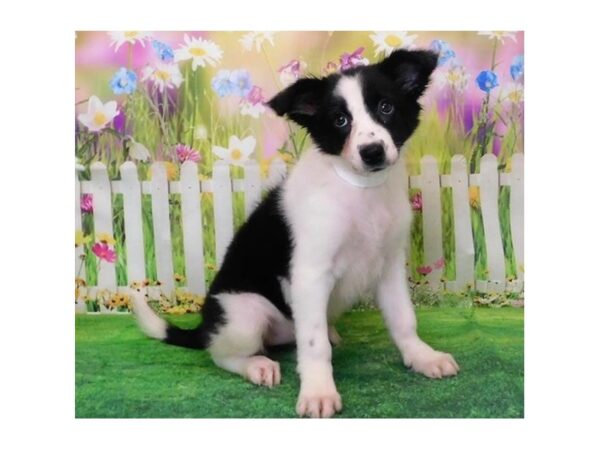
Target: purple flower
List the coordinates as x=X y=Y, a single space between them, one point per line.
x=87 y=206
x=186 y=153
x=354 y=59
x=163 y=51
x=255 y=96
x=119 y=122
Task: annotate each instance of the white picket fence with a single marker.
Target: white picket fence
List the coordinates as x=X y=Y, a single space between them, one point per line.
x=430 y=182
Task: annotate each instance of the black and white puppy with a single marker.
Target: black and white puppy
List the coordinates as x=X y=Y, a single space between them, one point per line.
x=336 y=229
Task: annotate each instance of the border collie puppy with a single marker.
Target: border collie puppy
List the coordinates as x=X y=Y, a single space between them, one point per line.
x=336 y=229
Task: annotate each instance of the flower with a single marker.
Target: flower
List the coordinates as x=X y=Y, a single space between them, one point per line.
x=120 y=37
x=474 y=196
x=105 y=238
x=514 y=93
x=291 y=71
x=163 y=75
x=456 y=77
x=186 y=153
x=98 y=114
x=499 y=35
x=124 y=81
x=354 y=59
x=163 y=51
x=517 y=68
x=253 y=103
x=200 y=51
x=443 y=49
x=232 y=82
x=104 y=252
x=87 y=205
x=424 y=270
x=487 y=80
x=238 y=151
x=388 y=41
x=256 y=39
x=439 y=264
x=139 y=152
x=200 y=133
x=171 y=169
x=416 y=202
x=81 y=239
x=330 y=68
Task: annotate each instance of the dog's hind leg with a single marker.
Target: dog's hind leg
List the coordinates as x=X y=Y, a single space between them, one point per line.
x=248 y=318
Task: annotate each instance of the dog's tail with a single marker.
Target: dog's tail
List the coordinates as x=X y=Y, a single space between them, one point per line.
x=158 y=328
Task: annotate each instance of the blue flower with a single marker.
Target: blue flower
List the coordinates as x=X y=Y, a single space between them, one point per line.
x=517 y=67
x=242 y=82
x=487 y=80
x=163 y=51
x=221 y=83
x=443 y=49
x=232 y=82
x=124 y=81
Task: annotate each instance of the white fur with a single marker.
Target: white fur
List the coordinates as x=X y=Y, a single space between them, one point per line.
x=364 y=129
x=150 y=323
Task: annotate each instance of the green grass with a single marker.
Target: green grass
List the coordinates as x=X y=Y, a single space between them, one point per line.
x=121 y=373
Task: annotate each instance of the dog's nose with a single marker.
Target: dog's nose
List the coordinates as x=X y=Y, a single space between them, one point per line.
x=372 y=154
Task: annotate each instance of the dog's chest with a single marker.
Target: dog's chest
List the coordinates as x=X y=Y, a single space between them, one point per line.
x=378 y=225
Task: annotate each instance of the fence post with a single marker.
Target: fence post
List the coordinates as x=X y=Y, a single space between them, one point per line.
x=488 y=192
x=132 y=214
x=193 y=243
x=103 y=219
x=517 y=222
x=429 y=183
x=79 y=251
x=464 y=250
x=159 y=188
x=223 y=208
x=252 y=186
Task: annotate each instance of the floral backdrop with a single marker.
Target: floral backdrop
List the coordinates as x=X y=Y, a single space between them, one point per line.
x=189 y=95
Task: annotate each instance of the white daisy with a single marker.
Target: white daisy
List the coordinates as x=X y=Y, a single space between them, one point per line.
x=120 y=37
x=200 y=51
x=98 y=114
x=513 y=93
x=456 y=77
x=163 y=75
x=388 y=41
x=139 y=152
x=256 y=39
x=499 y=35
x=238 y=151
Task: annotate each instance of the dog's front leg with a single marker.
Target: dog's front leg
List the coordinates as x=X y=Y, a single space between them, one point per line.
x=311 y=285
x=394 y=300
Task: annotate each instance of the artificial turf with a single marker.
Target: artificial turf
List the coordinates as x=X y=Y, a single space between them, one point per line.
x=121 y=373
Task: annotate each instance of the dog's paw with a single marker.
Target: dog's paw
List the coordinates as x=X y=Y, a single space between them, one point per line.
x=433 y=364
x=318 y=404
x=263 y=371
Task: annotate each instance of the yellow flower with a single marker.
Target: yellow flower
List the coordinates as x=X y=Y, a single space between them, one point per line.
x=80 y=239
x=171 y=170
x=106 y=238
x=474 y=196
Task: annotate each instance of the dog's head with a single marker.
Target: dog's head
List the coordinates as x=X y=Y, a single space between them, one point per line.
x=364 y=114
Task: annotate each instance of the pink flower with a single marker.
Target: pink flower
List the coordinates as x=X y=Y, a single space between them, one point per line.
x=291 y=71
x=255 y=95
x=439 y=263
x=417 y=202
x=87 y=205
x=103 y=251
x=424 y=270
x=354 y=59
x=186 y=153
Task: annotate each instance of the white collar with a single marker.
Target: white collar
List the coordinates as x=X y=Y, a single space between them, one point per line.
x=362 y=181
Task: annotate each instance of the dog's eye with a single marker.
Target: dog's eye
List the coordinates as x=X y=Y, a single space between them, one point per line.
x=340 y=120
x=385 y=107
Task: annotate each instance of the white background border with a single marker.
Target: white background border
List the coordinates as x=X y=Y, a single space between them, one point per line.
x=37 y=331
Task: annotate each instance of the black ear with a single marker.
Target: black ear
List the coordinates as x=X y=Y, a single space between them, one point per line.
x=410 y=70
x=299 y=101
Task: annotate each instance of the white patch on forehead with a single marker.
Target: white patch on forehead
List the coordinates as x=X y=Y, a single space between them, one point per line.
x=350 y=90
